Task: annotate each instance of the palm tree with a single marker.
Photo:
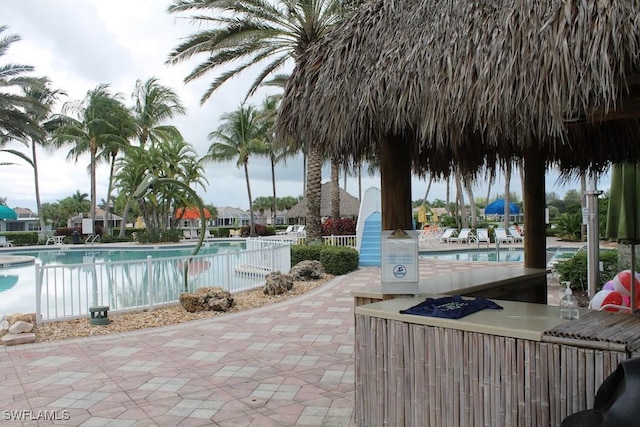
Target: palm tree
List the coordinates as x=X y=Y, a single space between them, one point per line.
x=14 y=120
x=276 y=152
x=46 y=98
x=238 y=137
x=247 y=34
x=95 y=123
x=174 y=159
x=153 y=105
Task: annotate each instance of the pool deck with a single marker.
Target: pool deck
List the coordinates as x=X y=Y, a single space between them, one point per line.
x=284 y=364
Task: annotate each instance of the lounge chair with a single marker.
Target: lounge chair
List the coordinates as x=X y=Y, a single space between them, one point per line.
x=502 y=236
x=4 y=243
x=287 y=231
x=517 y=237
x=449 y=235
x=300 y=231
x=482 y=235
x=465 y=236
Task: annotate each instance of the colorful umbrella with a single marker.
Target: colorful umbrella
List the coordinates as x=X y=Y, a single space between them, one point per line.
x=623 y=217
x=7 y=213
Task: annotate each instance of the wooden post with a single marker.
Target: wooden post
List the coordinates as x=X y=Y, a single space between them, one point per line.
x=535 y=242
x=395 y=183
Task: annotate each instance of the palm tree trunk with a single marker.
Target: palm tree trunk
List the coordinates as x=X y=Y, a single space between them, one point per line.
x=424 y=201
x=360 y=181
x=125 y=217
x=583 y=203
x=335 y=190
x=93 y=190
x=448 y=195
x=252 y=227
x=274 y=208
x=472 y=202
x=460 y=198
x=107 y=210
x=313 y=194
x=507 y=185
x=43 y=225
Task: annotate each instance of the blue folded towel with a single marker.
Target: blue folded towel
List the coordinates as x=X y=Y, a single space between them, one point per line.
x=453 y=307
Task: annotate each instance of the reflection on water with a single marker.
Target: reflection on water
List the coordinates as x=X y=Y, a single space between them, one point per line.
x=127 y=284
x=7 y=282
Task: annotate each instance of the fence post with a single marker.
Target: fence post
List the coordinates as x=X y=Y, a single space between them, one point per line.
x=38 y=294
x=149 y=281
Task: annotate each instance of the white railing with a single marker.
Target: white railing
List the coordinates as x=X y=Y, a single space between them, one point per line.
x=350 y=241
x=67 y=291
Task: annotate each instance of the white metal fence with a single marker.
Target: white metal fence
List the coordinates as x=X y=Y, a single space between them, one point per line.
x=67 y=291
x=350 y=241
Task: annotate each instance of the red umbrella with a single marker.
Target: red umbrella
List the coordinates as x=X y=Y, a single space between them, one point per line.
x=191 y=213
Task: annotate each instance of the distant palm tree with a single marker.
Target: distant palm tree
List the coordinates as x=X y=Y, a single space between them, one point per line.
x=46 y=98
x=275 y=152
x=252 y=33
x=91 y=125
x=239 y=136
x=153 y=105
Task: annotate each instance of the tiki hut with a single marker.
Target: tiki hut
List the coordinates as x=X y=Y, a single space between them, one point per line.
x=349 y=205
x=435 y=86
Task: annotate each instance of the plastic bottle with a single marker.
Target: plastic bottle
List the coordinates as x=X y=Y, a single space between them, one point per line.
x=569 y=304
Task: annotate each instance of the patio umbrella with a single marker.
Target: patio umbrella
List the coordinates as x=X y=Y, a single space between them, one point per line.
x=7 y=213
x=623 y=217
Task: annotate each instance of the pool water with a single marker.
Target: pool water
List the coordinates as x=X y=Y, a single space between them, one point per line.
x=18 y=282
x=491 y=255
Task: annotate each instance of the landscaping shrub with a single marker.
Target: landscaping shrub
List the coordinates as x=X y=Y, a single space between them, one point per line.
x=336 y=260
x=574 y=269
x=22 y=238
x=303 y=252
x=340 y=227
x=569 y=226
x=339 y=260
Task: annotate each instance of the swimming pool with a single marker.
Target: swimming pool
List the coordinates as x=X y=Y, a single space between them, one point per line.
x=18 y=282
x=491 y=255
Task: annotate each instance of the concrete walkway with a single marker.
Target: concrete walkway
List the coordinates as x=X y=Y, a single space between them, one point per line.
x=280 y=365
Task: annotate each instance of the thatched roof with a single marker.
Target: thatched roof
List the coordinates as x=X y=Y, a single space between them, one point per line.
x=469 y=82
x=349 y=205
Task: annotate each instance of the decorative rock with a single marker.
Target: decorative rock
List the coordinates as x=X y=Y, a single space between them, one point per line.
x=278 y=283
x=20 y=327
x=13 y=318
x=15 y=339
x=207 y=299
x=307 y=270
x=4 y=327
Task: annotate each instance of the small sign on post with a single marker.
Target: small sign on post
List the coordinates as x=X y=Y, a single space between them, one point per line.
x=400 y=262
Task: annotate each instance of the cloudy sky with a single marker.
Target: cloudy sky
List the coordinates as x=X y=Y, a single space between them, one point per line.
x=80 y=44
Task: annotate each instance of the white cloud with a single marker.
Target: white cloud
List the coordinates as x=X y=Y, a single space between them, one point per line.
x=80 y=44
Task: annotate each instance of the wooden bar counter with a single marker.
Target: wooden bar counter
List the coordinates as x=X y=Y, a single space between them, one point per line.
x=520 y=366
x=501 y=282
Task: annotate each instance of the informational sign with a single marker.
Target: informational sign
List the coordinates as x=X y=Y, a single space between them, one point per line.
x=87 y=226
x=400 y=262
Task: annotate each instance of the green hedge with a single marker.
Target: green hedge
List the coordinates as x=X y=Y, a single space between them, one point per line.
x=336 y=260
x=574 y=269
x=22 y=238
